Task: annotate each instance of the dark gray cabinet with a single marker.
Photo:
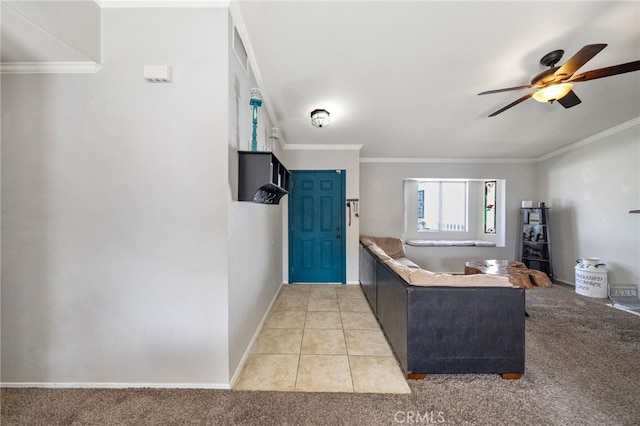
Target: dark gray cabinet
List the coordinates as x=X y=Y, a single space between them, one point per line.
x=262 y=177
x=535 y=245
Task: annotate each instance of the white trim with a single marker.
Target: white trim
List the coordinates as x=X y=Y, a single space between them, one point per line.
x=623 y=308
x=446 y=160
x=240 y=26
x=321 y=147
x=572 y=284
x=236 y=376
x=88 y=67
x=106 y=4
x=591 y=139
x=586 y=141
x=101 y=385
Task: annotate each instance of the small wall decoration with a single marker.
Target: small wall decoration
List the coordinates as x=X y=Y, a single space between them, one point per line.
x=421 y=204
x=490 y=207
x=255 y=102
x=534 y=218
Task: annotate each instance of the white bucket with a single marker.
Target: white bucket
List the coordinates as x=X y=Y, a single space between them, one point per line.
x=591 y=277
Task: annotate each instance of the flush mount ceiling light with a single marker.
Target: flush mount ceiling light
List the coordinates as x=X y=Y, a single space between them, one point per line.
x=320 y=117
x=553 y=93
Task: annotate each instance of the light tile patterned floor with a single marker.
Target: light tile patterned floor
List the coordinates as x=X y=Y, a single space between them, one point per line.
x=322 y=338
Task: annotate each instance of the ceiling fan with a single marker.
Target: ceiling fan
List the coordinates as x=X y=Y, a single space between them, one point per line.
x=556 y=83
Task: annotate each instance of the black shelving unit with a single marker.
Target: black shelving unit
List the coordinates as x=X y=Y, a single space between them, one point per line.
x=535 y=244
x=262 y=177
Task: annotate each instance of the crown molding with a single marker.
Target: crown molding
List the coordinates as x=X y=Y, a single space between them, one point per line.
x=591 y=139
x=321 y=147
x=88 y=67
x=162 y=3
x=238 y=22
x=447 y=160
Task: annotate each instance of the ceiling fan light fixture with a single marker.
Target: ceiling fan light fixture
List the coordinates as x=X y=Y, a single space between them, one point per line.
x=320 y=118
x=553 y=93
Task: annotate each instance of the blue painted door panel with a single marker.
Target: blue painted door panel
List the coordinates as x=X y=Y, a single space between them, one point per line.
x=316 y=226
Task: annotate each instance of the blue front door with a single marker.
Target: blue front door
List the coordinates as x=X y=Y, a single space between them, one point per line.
x=316 y=226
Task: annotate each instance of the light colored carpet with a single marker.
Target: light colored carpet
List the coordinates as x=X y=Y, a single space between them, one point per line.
x=582 y=368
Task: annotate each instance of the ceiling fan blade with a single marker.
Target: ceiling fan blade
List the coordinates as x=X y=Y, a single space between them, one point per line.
x=569 y=100
x=508 y=89
x=579 y=59
x=522 y=99
x=607 y=71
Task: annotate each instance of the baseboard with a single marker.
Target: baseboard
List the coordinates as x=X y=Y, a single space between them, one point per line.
x=236 y=375
x=100 y=385
x=624 y=308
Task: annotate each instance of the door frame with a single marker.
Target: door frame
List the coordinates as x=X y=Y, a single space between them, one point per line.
x=343 y=221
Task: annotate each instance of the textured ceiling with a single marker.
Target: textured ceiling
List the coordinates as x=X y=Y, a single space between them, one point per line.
x=402 y=78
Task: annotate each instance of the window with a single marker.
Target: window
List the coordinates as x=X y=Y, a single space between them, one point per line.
x=442 y=206
x=446 y=209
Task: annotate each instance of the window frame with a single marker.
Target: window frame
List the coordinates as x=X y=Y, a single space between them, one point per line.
x=475 y=212
x=441 y=186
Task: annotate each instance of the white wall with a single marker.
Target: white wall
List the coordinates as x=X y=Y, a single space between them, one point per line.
x=590 y=191
x=114 y=227
x=381 y=211
x=255 y=230
x=299 y=158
